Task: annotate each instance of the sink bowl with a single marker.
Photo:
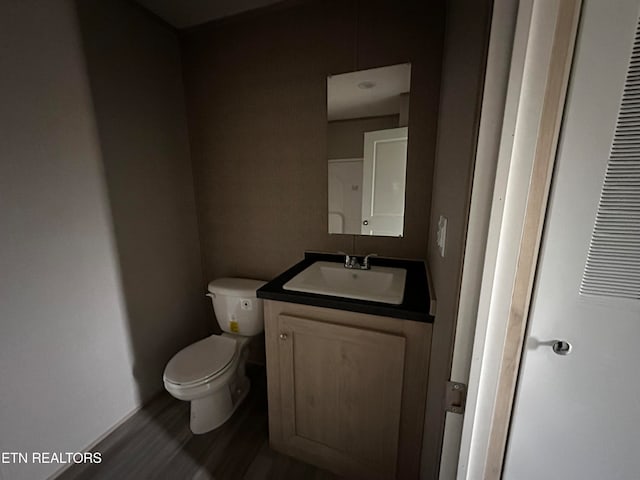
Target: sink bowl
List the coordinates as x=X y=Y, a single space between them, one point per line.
x=379 y=284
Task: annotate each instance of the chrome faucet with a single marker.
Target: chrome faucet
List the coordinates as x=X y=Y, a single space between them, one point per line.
x=352 y=261
x=365 y=263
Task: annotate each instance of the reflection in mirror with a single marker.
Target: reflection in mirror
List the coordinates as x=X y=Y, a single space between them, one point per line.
x=367 y=135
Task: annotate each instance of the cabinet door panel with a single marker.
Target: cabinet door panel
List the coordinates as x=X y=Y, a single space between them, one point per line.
x=341 y=390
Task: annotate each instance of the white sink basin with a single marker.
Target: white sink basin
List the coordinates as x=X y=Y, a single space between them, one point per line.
x=379 y=284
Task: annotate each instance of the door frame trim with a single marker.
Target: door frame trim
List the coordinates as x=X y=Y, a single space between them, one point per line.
x=541 y=62
x=494 y=101
x=535 y=212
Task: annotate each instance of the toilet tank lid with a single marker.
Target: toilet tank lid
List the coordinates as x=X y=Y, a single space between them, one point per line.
x=241 y=287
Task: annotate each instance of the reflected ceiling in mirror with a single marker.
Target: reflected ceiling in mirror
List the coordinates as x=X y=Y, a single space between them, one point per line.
x=367 y=134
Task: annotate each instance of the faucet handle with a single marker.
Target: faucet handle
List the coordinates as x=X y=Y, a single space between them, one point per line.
x=365 y=262
x=348 y=260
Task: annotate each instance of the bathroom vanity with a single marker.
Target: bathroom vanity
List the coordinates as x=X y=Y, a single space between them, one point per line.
x=347 y=378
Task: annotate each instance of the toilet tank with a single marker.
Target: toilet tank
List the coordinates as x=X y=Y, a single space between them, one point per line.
x=236 y=306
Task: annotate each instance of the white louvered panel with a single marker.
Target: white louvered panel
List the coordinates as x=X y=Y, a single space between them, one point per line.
x=613 y=263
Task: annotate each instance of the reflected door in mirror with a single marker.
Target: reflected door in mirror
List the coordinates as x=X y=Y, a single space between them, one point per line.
x=383 y=182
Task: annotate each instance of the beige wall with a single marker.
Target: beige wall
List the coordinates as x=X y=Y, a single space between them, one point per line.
x=101 y=276
x=65 y=361
x=256 y=100
x=466 y=40
x=136 y=85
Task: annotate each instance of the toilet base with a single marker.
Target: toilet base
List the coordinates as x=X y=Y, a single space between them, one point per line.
x=211 y=411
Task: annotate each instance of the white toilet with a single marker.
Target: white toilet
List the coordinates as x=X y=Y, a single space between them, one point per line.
x=211 y=372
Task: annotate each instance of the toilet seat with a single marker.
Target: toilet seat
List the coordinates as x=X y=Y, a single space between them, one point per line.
x=201 y=362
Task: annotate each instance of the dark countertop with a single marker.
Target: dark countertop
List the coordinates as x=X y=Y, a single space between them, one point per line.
x=415 y=305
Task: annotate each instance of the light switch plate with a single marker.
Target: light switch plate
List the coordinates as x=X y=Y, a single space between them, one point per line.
x=442 y=234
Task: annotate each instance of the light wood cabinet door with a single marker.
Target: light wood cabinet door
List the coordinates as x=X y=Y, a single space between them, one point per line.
x=347 y=390
x=341 y=394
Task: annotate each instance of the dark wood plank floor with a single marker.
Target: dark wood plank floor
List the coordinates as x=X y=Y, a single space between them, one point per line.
x=157 y=443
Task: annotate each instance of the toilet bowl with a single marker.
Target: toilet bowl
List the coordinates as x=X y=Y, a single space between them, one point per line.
x=210 y=373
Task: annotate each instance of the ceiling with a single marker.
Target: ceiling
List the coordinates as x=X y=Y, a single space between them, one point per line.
x=187 y=13
x=347 y=97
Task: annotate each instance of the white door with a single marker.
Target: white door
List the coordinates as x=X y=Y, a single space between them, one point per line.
x=577 y=416
x=383 y=182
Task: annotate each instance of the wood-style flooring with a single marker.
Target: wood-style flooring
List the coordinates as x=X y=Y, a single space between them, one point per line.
x=157 y=443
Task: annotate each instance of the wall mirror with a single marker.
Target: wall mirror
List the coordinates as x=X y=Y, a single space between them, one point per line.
x=367 y=134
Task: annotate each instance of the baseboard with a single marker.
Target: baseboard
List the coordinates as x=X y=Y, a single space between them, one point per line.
x=89 y=447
